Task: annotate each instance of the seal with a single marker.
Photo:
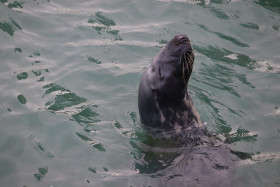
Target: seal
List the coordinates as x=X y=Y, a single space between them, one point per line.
x=179 y=146
x=163 y=98
x=180 y=143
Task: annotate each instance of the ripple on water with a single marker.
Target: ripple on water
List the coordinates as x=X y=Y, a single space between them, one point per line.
x=222 y=55
x=67 y=102
x=63 y=98
x=22 y=99
x=103 y=46
x=18 y=50
x=42 y=171
x=16 y=4
x=87 y=138
x=250 y=25
x=83 y=113
x=224 y=36
x=92 y=59
x=267 y=66
x=273 y=5
x=10 y=26
x=40 y=148
x=86 y=115
x=22 y=75
x=102 y=24
x=218 y=13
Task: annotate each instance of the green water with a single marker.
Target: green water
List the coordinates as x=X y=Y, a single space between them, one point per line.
x=69 y=76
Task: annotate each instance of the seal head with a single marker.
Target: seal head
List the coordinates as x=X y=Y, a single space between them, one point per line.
x=163 y=99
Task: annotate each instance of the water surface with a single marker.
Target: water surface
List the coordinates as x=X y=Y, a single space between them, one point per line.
x=69 y=77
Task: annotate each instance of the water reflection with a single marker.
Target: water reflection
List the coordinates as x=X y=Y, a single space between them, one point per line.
x=87 y=115
x=218 y=13
x=77 y=107
x=222 y=55
x=240 y=135
x=102 y=24
x=15 y=4
x=273 y=5
x=64 y=98
x=224 y=36
x=10 y=26
x=40 y=148
x=22 y=75
x=42 y=171
x=250 y=25
x=22 y=99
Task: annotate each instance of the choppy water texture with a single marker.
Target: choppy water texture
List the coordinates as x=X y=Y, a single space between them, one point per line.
x=69 y=77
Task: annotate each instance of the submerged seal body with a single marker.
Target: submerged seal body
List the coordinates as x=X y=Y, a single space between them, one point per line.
x=163 y=99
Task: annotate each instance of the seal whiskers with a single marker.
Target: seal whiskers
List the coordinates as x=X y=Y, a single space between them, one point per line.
x=183 y=68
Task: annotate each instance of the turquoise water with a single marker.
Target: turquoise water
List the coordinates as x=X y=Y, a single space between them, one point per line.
x=69 y=77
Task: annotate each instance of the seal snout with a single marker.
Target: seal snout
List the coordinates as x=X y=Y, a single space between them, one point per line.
x=181 y=39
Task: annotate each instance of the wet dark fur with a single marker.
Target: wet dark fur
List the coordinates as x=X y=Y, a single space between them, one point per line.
x=163 y=99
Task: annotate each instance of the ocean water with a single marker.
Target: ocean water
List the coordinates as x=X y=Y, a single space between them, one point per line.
x=69 y=77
